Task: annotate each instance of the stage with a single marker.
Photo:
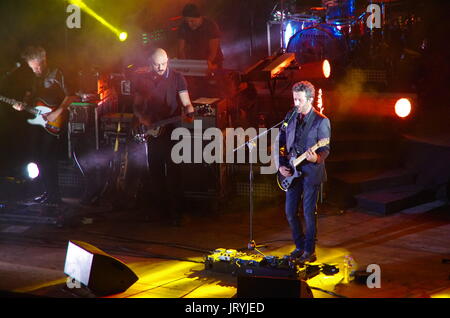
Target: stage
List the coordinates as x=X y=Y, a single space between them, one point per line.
x=367 y=84
x=409 y=247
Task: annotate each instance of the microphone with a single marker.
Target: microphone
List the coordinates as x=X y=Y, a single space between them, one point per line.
x=16 y=66
x=286 y=123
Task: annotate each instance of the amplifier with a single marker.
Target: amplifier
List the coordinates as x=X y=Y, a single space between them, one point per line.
x=110 y=137
x=110 y=122
x=82 y=118
x=70 y=179
x=211 y=111
x=83 y=132
x=203 y=180
x=272 y=287
x=110 y=130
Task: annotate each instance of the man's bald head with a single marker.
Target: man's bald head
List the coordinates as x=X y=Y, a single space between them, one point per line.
x=158 y=61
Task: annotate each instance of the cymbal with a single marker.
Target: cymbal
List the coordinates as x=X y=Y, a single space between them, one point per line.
x=384 y=1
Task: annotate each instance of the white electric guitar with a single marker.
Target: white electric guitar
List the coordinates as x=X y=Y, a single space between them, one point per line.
x=41 y=108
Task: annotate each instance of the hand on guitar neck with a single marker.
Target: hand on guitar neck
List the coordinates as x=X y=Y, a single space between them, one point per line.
x=311 y=156
x=19 y=106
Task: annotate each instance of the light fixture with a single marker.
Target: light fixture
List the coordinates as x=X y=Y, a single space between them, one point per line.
x=315 y=70
x=403 y=107
x=32 y=170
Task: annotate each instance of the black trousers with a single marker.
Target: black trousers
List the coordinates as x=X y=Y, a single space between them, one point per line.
x=165 y=176
x=46 y=152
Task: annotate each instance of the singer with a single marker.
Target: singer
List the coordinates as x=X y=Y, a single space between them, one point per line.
x=303 y=128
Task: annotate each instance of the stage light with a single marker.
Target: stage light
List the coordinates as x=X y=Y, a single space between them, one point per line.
x=32 y=170
x=315 y=70
x=326 y=68
x=288 y=33
x=120 y=34
x=123 y=36
x=403 y=107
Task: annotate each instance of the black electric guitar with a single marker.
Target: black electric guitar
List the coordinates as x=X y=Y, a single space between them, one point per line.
x=285 y=182
x=39 y=110
x=154 y=130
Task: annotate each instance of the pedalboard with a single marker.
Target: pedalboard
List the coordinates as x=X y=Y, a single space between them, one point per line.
x=237 y=263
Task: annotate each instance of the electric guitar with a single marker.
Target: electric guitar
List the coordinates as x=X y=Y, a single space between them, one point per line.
x=41 y=108
x=154 y=130
x=285 y=182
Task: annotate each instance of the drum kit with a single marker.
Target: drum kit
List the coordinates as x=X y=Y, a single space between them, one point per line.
x=332 y=32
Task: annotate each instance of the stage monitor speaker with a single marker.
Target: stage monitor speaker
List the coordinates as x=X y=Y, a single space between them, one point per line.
x=96 y=270
x=272 y=287
x=203 y=180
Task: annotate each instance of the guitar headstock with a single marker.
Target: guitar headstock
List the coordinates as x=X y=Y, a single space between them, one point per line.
x=323 y=142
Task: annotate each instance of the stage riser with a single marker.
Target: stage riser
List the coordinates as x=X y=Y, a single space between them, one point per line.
x=342 y=192
x=359 y=165
x=390 y=201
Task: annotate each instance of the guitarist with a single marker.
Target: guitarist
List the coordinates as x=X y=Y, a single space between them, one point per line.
x=303 y=127
x=162 y=94
x=50 y=86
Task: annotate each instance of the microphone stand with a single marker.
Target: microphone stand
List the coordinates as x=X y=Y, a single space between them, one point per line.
x=251 y=144
x=3 y=78
x=5 y=75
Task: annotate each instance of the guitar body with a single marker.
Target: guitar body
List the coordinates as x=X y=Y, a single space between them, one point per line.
x=285 y=182
x=155 y=130
x=143 y=134
x=52 y=127
x=41 y=108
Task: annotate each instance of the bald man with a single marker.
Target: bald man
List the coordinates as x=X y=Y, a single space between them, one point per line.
x=159 y=95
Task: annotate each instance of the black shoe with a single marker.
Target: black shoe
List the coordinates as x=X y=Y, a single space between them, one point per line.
x=307 y=257
x=40 y=198
x=296 y=253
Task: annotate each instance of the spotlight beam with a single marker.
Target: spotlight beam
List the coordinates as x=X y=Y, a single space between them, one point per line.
x=120 y=34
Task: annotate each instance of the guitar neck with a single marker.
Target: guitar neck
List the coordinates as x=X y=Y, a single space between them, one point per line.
x=302 y=157
x=164 y=122
x=7 y=100
x=12 y=101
